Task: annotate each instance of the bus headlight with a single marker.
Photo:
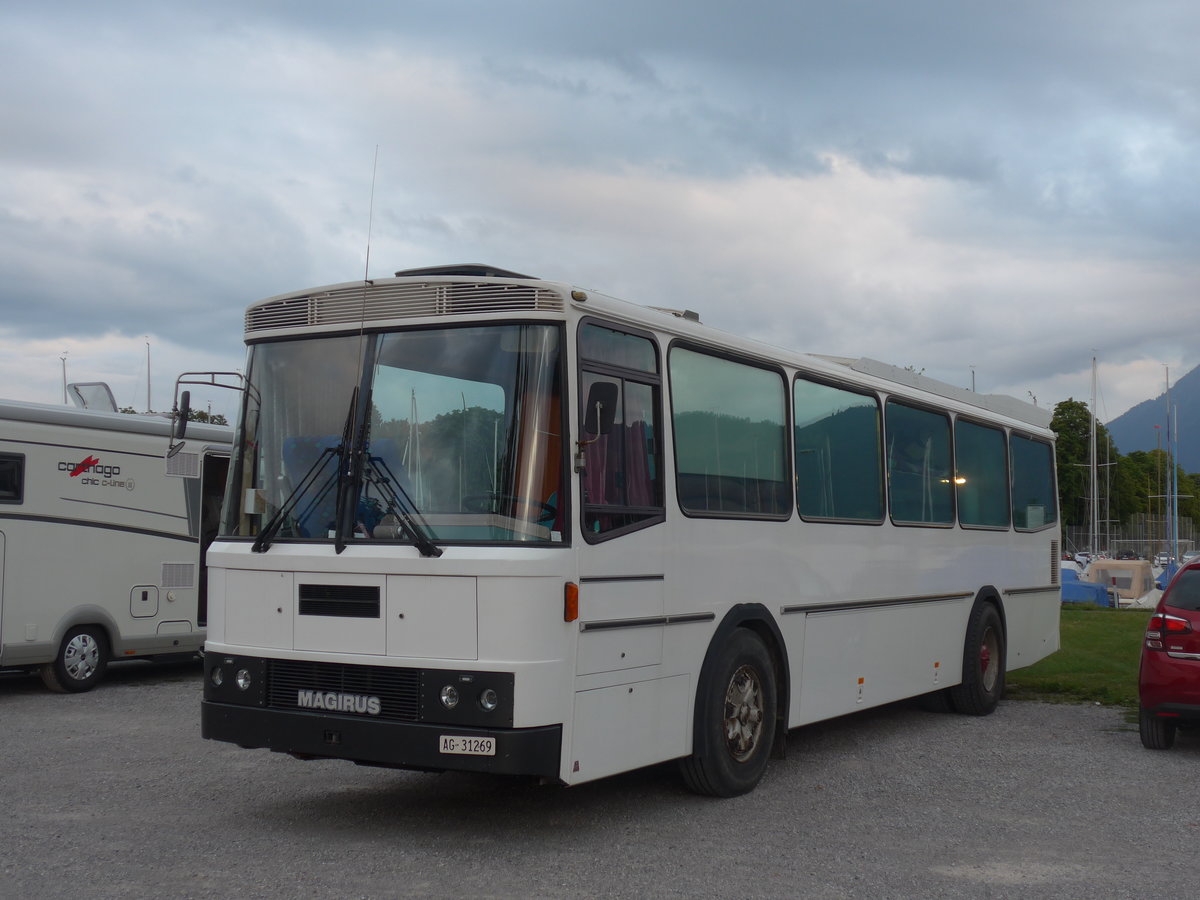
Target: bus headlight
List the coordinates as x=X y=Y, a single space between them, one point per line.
x=243 y=679
x=217 y=677
x=449 y=696
x=488 y=700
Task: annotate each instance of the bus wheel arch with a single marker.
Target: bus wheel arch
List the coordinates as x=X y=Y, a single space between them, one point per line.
x=79 y=661
x=985 y=657
x=740 y=714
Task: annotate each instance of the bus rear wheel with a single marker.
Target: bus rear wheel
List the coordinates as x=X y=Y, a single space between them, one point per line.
x=737 y=720
x=983 y=663
x=81 y=660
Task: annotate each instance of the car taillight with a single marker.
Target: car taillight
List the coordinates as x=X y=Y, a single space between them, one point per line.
x=1160 y=624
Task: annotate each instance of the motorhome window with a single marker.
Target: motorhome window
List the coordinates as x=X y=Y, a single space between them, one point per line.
x=917 y=448
x=621 y=481
x=981 y=475
x=730 y=430
x=12 y=477
x=839 y=468
x=1032 y=483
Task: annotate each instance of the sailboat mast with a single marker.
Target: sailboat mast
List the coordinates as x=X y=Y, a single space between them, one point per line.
x=1094 y=524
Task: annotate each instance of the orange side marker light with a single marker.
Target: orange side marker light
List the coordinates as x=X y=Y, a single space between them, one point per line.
x=570 y=601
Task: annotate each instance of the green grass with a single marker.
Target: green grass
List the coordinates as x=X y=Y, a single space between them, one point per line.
x=1097 y=661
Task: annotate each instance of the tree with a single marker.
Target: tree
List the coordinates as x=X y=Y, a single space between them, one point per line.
x=194 y=415
x=199 y=415
x=1072 y=423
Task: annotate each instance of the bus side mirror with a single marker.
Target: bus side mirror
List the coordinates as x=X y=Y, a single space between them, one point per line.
x=179 y=420
x=601 y=409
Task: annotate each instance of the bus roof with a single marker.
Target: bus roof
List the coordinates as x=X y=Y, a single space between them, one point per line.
x=483 y=289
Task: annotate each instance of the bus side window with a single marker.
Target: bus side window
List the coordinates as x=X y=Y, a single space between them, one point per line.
x=838 y=458
x=981 y=475
x=729 y=422
x=920 y=486
x=1033 y=489
x=621 y=478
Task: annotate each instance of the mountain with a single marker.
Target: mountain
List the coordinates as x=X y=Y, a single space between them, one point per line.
x=1134 y=430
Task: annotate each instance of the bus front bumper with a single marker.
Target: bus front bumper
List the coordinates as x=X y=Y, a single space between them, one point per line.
x=405 y=745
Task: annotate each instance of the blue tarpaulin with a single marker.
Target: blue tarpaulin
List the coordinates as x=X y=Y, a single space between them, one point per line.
x=1164 y=579
x=1076 y=591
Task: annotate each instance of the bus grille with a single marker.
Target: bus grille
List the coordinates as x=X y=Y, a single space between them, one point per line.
x=366 y=303
x=353 y=601
x=397 y=689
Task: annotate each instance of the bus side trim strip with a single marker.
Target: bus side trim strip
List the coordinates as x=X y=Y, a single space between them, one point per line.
x=610 y=579
x=872 y=604
x=611 y=624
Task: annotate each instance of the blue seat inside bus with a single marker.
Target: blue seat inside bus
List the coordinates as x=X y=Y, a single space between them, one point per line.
x=317 y=519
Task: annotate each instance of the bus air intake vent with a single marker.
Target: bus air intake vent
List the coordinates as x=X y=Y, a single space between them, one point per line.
x=1055 y=563
x=370 y=303
x=351 y=601
x=398 y=690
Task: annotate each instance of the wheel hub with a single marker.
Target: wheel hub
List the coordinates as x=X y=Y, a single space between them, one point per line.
x=743 y=713
x=81 y=657
x=989 y=659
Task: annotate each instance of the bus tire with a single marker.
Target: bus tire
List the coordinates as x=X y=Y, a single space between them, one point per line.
x=80 y=662
x=1157 y=733
x=983 y=663
x=737 y=720
x=936 y=702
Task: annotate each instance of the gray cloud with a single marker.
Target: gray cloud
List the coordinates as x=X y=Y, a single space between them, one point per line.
x=983 y=185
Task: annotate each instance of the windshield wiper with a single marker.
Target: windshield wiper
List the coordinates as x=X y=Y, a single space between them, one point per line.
x=271 y=528
x=341 y=452
x=352 y=467
x=377 y=473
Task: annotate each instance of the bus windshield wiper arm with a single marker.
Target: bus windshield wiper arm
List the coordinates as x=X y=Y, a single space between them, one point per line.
x=341 y=452
x=400 y=504
x=272 y=526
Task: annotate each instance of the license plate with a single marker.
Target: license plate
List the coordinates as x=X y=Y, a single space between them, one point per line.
x=467 y=746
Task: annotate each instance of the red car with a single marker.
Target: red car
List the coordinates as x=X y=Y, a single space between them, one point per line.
x=1169 y=680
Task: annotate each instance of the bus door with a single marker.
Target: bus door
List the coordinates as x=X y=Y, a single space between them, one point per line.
x=619 y=463
x=213 y=474
x=622 y=574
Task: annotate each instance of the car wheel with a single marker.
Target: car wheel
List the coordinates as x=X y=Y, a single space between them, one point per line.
x=81 y=660
x=737 y=720
x=983 y=663
x=1157 y=733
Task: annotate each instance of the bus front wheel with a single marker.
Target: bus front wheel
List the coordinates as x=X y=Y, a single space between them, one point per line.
x=81 y=660
x=983 y=663
x=737 y=720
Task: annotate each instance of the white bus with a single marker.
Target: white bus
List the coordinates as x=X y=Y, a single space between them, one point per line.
x=101 y=541
x=480 y=521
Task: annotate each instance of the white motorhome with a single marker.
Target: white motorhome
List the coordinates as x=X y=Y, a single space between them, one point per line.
x=102 y=540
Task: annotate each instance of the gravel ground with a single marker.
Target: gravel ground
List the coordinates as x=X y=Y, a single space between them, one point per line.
x=114 y=794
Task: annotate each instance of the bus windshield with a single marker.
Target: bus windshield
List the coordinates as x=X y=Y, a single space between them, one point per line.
x=422 y=436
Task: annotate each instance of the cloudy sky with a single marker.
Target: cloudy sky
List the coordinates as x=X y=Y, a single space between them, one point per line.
x=997 y=191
